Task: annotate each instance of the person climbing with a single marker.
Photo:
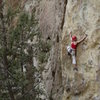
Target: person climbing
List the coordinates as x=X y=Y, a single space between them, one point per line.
x=72 y=49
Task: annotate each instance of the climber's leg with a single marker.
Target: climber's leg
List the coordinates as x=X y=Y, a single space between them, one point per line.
x=74 y=60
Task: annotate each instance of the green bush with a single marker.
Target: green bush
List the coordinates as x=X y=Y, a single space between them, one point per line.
x=44 y=49
x=41 y=57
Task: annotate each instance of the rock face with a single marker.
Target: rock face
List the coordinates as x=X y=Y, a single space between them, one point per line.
x=51 y=23
x=56 y=19
x=80 y=17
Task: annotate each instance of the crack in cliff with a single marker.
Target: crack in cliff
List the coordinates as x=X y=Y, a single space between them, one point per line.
x=63 y=19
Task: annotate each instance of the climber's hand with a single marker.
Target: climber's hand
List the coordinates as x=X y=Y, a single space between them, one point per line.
x=70 y=32
x=70 y=35
x=86 y=35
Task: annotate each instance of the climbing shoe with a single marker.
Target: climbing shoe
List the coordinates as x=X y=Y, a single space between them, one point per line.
x=69 y=54
x=75 y=69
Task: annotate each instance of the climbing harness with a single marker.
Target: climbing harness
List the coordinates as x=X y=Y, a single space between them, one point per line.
x=69 y=49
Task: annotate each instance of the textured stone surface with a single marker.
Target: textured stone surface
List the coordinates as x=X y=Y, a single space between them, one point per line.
x=51 y=21
x=78 y=16
x=82 y=16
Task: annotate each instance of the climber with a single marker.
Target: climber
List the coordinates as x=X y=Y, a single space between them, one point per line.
x=72 y=49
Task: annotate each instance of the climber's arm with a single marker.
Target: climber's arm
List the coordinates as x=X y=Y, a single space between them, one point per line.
x=82 y=39
x=70 y=35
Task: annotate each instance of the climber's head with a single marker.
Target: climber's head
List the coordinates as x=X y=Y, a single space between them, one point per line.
x=74 y=38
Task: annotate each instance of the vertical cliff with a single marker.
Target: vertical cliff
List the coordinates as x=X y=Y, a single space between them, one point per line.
x=57 y=19
x=51 y=23
x=82 y=17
